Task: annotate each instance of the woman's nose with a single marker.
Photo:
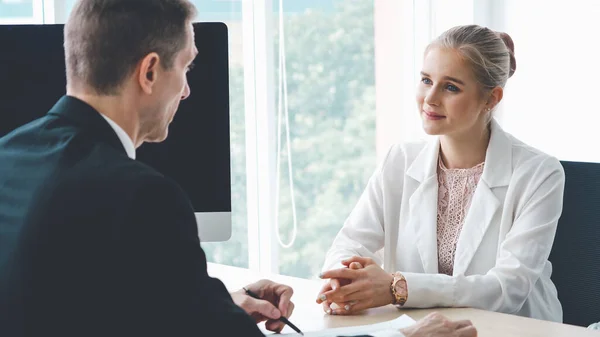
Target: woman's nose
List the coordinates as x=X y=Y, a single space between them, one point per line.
x=431 y=97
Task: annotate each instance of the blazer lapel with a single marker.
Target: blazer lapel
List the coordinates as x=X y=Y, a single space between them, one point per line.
x=485 y=202
x=423 y=205
x=479 y=216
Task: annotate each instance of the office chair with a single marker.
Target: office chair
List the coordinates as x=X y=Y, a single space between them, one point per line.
x=575 y=254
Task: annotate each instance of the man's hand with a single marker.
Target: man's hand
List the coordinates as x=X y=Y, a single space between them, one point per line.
x=436 y=325
x=275 y=301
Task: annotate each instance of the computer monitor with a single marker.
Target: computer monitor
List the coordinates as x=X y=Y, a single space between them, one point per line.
x=196 y=153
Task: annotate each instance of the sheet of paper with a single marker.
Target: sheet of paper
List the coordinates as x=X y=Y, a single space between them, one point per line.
x=395 y=324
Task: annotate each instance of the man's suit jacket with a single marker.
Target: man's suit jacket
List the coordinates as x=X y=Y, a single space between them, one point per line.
x=95 y=243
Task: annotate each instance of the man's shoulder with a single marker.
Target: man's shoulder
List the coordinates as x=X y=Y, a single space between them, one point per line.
x=122 y=187
x=112 y=171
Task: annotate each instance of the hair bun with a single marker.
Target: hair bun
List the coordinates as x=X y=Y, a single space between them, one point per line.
x=511 y=49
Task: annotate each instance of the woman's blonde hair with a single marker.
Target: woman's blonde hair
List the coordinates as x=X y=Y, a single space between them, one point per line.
x=490 y=54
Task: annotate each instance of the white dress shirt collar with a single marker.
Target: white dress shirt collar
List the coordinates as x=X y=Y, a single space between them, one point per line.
x=125 y=140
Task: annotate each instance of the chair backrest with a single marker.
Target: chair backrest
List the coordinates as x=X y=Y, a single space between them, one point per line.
x=575 y=254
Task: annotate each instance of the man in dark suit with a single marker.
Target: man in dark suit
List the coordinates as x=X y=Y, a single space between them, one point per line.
x=92 y=242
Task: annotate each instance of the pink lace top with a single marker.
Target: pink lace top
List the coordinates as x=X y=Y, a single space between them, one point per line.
x=455 y=191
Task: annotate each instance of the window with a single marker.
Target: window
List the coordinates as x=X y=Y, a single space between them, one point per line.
x=550 y=101
x=21 y=11
x=330 y=81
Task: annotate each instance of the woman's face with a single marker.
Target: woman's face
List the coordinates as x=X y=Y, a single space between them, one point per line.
x=449 y=98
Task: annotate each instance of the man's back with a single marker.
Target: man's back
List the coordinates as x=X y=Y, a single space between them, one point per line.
x=94 y=243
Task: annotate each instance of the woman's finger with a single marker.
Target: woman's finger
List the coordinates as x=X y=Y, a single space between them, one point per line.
x=356 y=296
x=346 y=305
x=364 y=261
x=325 y=288
x=342 y=294
x=341 y=273
x=334 y=283
x=355 y=265
x=326 y=307
x=338 y=295
x=351 y=309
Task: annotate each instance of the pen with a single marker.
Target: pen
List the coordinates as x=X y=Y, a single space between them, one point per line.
x=281 y=318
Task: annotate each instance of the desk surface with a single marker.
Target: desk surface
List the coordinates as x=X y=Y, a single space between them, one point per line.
x=309 y=316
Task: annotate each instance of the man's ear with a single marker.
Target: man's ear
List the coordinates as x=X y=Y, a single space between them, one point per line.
x=149 y=70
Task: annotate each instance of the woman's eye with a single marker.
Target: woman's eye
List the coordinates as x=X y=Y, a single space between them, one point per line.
x=425 y=80
x=452 y=87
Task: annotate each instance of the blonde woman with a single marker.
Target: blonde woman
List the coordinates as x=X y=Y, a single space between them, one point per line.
x=466 y=220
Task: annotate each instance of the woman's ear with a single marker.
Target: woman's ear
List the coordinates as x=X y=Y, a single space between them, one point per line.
x=495 y=97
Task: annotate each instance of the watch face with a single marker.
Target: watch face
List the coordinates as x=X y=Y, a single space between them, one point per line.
x=400 y=289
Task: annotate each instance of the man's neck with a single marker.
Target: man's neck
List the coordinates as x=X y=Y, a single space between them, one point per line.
x=117 y=108
x=464 y=151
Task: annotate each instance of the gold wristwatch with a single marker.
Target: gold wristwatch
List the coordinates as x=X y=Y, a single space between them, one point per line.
x=399 y=289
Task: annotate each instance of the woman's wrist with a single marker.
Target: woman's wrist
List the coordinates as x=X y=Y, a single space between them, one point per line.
x=399 y=289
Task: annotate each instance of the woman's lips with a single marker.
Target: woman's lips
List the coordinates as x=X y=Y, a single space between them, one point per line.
x=433 y=116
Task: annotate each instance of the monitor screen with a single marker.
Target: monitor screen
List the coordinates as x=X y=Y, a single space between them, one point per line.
x=196 y=153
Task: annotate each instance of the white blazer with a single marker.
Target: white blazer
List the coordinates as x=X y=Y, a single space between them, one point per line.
x=501 y=262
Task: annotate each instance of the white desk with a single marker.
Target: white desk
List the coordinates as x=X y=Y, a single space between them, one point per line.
x=309 y=316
